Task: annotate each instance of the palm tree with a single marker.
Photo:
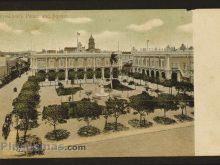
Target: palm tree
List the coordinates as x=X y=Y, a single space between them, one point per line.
x=72 y=83
x=113 y=60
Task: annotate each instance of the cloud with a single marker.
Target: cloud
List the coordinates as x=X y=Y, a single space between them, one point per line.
x=146 y=26
x=35 y=32
x=107 y=34
x=108 y=40
x=79 y=20
x=6 y=28
x=44 y=19
x=186 y=28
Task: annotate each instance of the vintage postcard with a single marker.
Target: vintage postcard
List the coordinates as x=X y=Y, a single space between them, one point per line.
x=98 y=83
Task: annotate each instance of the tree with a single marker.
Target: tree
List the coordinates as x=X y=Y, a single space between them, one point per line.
x=169 y=84
x=106 y=114
x=31 y=85
x=167 y=102
x=184 y=100
x=116 y=107
x=60 y=85
x=182 y=105
x=53 y=115
x=88 y=111
x=113 y=60
x=26 y=102
x=143 y=104
x=72 y=83
x=26 y=114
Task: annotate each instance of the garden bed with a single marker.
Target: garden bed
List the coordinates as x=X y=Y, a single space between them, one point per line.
x=183 y=118
x=111 y=127
x=60 y=135
x=164 y=120
x=135 y=123
x=67 y=91
x=87 y=131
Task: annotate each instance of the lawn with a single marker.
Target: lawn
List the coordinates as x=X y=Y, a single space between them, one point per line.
x=68 y=91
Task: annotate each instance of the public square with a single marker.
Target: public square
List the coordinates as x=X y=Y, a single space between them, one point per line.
x=179 y=137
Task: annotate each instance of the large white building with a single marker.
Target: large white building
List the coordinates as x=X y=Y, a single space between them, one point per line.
x=166 y=63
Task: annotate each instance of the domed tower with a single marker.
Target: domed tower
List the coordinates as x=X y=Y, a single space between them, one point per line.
x=91 y=44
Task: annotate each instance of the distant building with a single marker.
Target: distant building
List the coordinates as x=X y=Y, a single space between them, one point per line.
x=7 y=65
x=70 y=49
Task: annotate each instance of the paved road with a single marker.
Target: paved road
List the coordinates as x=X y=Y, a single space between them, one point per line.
x=7 y=95
x=174 y=142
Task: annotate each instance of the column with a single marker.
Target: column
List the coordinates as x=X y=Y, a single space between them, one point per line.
x=168 y=63
x=94 y=77
x=103 y=72
x=111 y=73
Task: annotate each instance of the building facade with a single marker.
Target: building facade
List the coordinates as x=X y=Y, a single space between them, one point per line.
x=78 y=61
x=166 y=64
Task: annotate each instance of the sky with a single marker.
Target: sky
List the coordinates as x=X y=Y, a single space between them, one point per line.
x=37 y=30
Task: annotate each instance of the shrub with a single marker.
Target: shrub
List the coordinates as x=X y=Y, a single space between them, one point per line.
x=67 y=91
x=124 y=81
x=136 y=123
x=111 y=127
x=182 y=118
x=131 y=83
x=88 y=131
x=164 y=120
x=33 y=145
x=58 y=134
x=116 y=84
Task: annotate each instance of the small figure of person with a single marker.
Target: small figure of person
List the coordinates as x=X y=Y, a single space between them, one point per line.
x=69 y=98
x=15 y=89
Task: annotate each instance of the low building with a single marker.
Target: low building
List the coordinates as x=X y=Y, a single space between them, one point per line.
x=7 y=65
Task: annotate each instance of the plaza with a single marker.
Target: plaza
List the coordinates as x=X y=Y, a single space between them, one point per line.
x=91 y=71
x=121 y=138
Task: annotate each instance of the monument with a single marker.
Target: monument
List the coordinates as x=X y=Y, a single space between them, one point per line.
x=101 y=92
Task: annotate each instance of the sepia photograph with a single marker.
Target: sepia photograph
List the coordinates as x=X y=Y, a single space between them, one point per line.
x=96 y=83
